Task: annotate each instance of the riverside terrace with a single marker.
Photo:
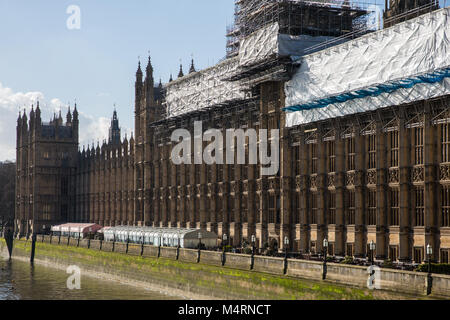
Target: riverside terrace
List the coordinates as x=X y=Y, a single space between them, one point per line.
x=392 y=280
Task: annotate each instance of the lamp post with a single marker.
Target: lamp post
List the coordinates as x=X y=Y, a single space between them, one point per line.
x=325 y=251
x=253 y=252
x=224 y=241
x=253 y=244
x=199 y=246
x=286 y=245
x=429 y=277
x=372 y=247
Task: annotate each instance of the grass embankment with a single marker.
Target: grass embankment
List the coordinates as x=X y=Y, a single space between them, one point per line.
x=216 y=281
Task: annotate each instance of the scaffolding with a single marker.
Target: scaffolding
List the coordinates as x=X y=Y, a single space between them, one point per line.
x=330 y=18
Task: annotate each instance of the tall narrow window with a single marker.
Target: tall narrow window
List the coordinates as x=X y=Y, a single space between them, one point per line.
x=372 y=152
x=351 y=154
x=219 y=173
x=393 y=140
x=395 y=208
x=418 y=146
x=314 y=209
x=445 y=140
x=314 y=158
x=445 y=205
x=272 y=209
x=197 y=174
x=351 y=207
x=331 y=156
x=419 y=207
x=296 y=207
x=372 y=208
x=296 y=161
x=188 y=174
x=332 y=207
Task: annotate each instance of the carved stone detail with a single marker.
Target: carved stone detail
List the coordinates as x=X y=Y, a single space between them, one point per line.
x=331 y=180
x=350 y=179
x=444 y=172
x=394 y=176
x=418 y=174
x=371 y=177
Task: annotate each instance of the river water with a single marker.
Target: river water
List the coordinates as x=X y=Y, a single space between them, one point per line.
x=21 y=281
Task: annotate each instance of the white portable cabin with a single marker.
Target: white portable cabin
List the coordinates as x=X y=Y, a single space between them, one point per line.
x=165 y=237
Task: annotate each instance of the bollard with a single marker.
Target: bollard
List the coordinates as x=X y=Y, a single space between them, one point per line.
x=9 y=238
x=224 y=258
x=33 y=248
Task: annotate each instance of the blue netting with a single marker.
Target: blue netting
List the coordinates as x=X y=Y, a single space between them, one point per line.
x=437 y=76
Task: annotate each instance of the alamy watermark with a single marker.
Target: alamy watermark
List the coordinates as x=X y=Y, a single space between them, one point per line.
x=230 y=150
x=74 y=20
x=74 y=280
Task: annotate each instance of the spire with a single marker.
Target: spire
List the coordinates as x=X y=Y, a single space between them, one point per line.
x=192 y=70
x=75 y=113
x=171 y=78
x=181 y=74
x=149 y=67
x=69 y=116
x=114 y=129
x=139 y=70
x=160 y=84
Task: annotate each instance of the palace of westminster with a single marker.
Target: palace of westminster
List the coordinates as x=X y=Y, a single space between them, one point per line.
x=380 y=174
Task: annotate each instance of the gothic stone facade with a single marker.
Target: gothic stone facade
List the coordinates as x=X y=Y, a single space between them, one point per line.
x=381 y=176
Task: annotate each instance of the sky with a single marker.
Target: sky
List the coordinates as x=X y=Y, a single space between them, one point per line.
x=41 y=59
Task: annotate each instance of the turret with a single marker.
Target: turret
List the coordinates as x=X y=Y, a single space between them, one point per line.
x=149 y=85
x=38 y=115
x=75 y=123
x=69 y=116
x=114 y=130
x=192 y=69
x=181 y=74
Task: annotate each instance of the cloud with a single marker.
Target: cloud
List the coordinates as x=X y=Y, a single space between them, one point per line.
x=91 y=128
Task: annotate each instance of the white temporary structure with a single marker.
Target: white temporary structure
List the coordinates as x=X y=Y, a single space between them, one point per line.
x=76 y=230
x=166 y=237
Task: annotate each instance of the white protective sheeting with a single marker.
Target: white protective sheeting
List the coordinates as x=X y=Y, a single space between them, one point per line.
x=417 y=46
x=268 y=42
x=203 y=89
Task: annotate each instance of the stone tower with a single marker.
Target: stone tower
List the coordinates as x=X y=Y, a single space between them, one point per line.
x=46 y=166
x=148 y=109
x=114 y=130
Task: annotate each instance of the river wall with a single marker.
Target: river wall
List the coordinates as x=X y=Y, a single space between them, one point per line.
x=229 y=276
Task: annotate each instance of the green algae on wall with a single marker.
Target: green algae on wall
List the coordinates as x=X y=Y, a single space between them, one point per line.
x=218 y=282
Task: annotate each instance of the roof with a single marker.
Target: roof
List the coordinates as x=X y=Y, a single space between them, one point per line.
x=77 y=227
x=165 y=232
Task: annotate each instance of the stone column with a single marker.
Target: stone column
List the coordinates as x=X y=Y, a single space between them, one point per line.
x=305 y=227
x=406 y=162
x=285 y=192
x=340 y=184
x=382 y=187
x=360 y=199
x=432 y=213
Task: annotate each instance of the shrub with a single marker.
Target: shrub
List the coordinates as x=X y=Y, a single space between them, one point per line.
x=387 y=264
x=228 y=248
x=438 y=268
x=347 y=260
